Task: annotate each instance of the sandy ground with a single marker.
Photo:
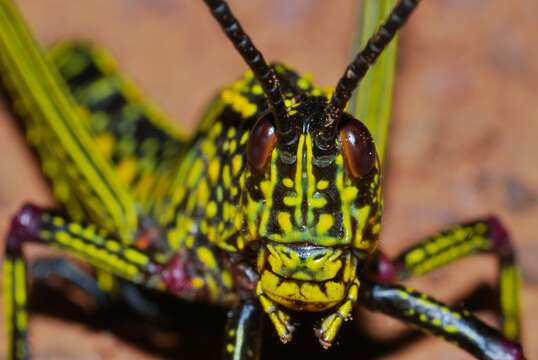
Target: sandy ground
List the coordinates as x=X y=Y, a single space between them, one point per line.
x=463 y=143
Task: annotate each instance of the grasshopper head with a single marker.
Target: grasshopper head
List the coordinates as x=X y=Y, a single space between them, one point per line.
x=313 y=203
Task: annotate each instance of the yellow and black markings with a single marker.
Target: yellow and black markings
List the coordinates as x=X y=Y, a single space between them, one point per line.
x=191 y=215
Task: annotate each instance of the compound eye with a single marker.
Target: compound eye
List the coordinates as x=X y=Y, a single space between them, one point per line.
x=358 y=147
x=261 y=142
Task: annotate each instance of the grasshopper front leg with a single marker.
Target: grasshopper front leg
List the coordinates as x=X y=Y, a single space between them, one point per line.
x=243 y=332
x=481 y=236
x=432 y=316
x=162 y=272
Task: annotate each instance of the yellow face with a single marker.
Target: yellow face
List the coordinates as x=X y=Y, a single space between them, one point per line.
x=316 y=213
x=305 y=277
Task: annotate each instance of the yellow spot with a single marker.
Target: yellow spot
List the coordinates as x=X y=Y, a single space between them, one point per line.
x=322 y=184
x=75 y=228
x=432 y=247
x=127 y=169
x=233 y=146
x=189 y=241
x=249 y=110
x=284 y=220
x=415 y=256
x=230 y=348
x=105 y=143
x=349 y=194
x=290 y=200
x=206 y=256
x=316 y=92
x=303 y=83
x=226 y=179
x=318 y=202
x=451 y=329
x=89 y=233
x=213 y=170
x=237 y=161
x=287 y=182
x=211 y=209
x=325 y=223
x=227 y=280
x=136 y=256
x=112 y=246
x=208 y=148
x=257 y=90
x=203 y=193
x=63 y=238
x=198 y=282
x=244 y=138
x=58 y=221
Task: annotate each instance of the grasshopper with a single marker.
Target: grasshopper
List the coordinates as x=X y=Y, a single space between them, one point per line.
x=272 y=207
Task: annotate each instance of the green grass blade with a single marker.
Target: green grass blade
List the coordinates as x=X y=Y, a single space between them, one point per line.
x=372 y=102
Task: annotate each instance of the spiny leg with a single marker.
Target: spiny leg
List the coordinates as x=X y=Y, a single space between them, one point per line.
x=15 y=302
x=243 y=332
x=102 y=287
x=430 y=315
x=44 y=269
x=34 y=225
x=481 y=236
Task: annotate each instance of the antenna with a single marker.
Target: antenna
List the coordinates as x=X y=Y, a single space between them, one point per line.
x=254 y=59
x=362 y=62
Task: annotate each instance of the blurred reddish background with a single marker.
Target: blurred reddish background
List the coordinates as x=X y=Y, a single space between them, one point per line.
x=463 y=142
